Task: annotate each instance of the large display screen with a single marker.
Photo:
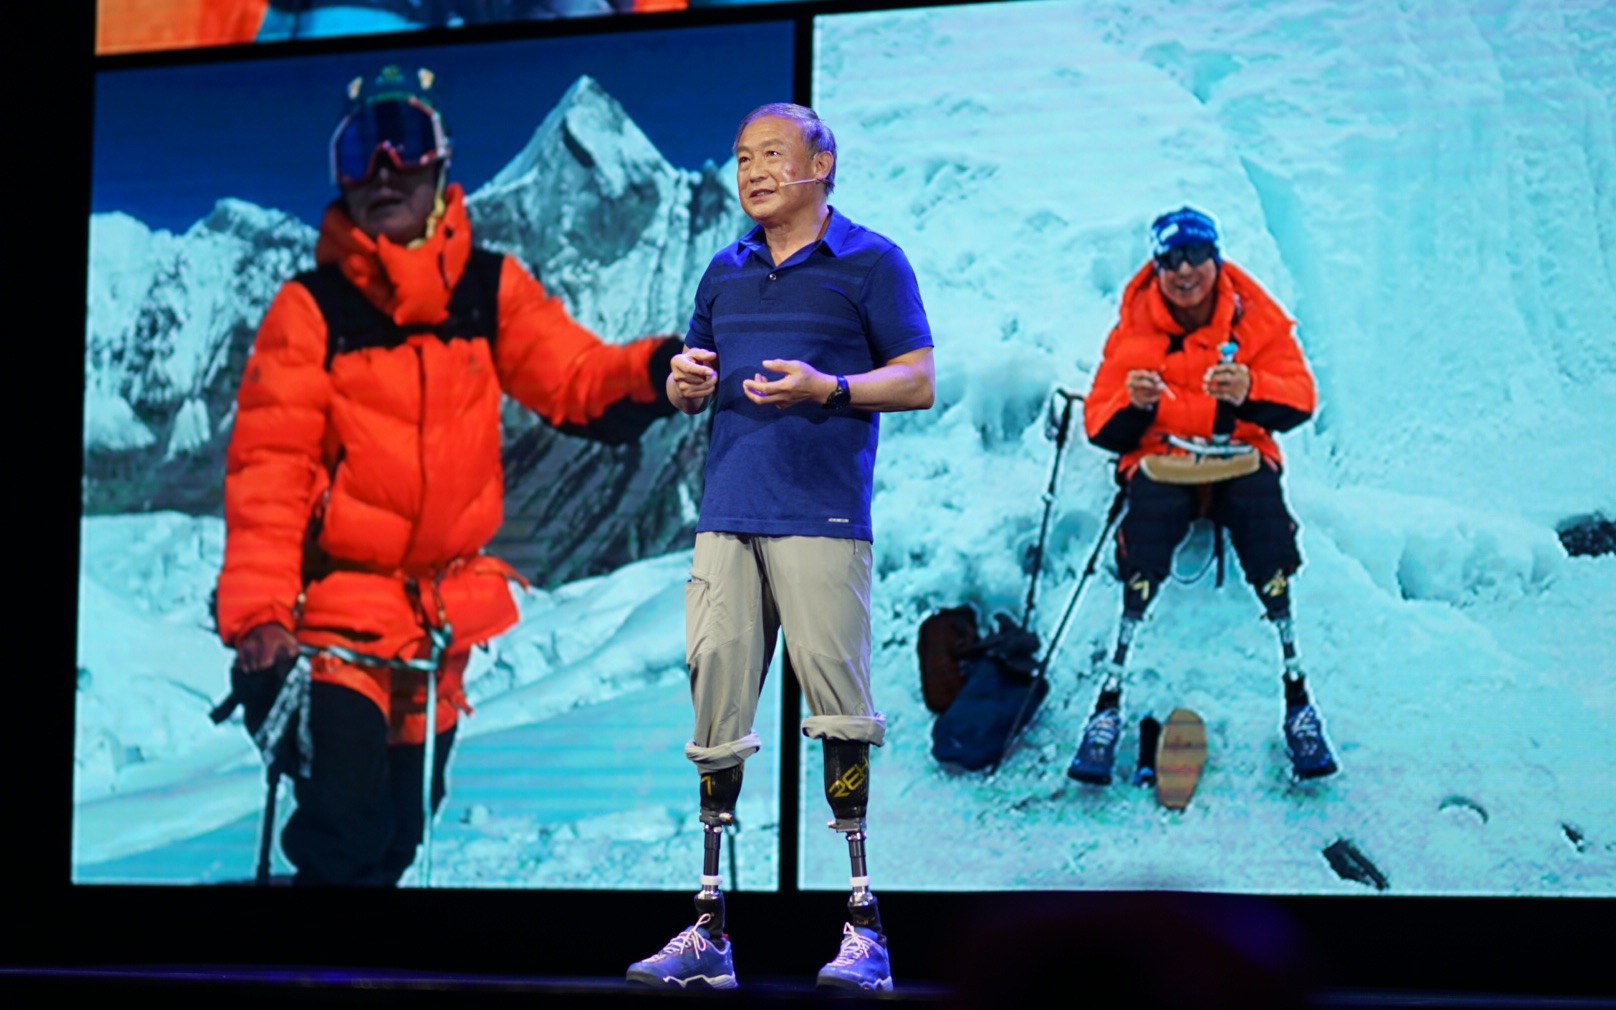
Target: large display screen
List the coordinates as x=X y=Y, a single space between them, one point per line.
x=1428 y=190
x=601 y=164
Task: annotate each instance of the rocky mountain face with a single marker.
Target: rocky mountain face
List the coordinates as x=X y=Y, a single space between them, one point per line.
x=590 y=206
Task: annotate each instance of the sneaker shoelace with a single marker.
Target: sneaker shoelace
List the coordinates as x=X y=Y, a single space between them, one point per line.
x=688 y=937
x=855 y=947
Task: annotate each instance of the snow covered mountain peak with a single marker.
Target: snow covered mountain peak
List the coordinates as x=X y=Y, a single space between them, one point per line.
x=604 y=219
x=249 y=222
x=587 y=131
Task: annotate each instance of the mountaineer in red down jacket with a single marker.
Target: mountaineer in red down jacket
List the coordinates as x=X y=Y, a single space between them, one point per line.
x=1202 y=368
x=364 y=477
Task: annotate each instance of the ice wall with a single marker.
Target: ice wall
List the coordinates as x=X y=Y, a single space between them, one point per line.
x=1432 y=193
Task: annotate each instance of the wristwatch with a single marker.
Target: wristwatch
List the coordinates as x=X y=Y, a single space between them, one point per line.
x=842 y=395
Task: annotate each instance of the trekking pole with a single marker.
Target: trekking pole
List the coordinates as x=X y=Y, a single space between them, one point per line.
x=288 y=714
x=1083 y=581
x=440 y=638
x=266 y=836
x=428 y=758
x=1041 y=668
x=1060 y=427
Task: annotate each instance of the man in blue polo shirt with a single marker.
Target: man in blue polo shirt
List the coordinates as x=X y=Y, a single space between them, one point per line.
x=803 y=332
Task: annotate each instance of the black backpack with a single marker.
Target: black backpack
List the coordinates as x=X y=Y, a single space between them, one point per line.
x=1002 y=685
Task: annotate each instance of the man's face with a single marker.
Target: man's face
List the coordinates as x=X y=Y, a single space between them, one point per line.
x=770 y=154
x=393 y=203
x=1188 y=285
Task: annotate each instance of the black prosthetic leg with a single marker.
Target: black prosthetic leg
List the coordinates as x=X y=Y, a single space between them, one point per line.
x=847 y=787
x=719 y=791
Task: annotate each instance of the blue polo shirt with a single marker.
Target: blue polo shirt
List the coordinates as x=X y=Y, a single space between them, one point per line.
x=845 y=304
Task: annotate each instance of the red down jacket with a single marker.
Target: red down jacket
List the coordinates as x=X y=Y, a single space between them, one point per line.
x=1282 y=392
x=384 y=463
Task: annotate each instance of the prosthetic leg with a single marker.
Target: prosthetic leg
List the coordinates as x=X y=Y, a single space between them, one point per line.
x=862 y=962
x=1275 y=595
x=699 y=956
x=1097 y=750
x=1305 y=743
x=719 y=792
x=847 y=787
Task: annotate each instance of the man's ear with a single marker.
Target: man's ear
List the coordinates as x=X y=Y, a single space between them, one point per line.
x=824 y=161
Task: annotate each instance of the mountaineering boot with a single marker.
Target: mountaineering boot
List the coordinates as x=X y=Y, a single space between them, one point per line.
x=691 y=958
x=861 y=963
x=1097 y=751
x=1304 y=742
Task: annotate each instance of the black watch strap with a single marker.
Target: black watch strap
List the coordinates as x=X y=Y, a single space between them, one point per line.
x=841 y=397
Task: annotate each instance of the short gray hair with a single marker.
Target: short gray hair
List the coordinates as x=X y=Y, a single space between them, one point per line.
x=814 y=132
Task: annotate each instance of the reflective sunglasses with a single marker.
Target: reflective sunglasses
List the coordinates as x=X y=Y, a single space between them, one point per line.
x=1194 y=255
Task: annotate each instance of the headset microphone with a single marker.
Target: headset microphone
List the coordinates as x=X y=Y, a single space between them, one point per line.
x=800 y=182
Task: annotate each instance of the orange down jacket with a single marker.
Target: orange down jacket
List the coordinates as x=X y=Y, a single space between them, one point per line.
x=360 y=492
x=1282 y=391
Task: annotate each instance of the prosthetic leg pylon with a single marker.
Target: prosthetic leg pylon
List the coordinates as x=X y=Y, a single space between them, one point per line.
x=719 y=792
x=1305 y=742
x=847 y=787
x=699 y=956
x=862 y=962
x=1097 y=749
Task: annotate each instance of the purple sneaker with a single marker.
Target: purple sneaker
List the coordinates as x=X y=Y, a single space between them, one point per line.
x=692 y=958
x=862 y=963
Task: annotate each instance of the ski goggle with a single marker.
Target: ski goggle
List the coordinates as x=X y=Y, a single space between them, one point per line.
x=407 y=131
x=1194 y=254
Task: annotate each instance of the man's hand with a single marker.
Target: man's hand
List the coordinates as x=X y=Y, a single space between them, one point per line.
x=800 y=383
x=1145 y=388
x=692 y=378
x=264 y=656
x=1229 y=381
x=263 y=648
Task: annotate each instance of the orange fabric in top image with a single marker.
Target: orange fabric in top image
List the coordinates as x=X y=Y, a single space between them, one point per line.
x=134 y=26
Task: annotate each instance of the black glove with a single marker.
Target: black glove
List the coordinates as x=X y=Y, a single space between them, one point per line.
x=256 y=691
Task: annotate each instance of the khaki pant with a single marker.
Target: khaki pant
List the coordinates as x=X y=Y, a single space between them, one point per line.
x=743 y=591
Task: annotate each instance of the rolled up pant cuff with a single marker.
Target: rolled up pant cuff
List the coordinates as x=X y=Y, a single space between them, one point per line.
x=870 y=729
x=724 y=755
